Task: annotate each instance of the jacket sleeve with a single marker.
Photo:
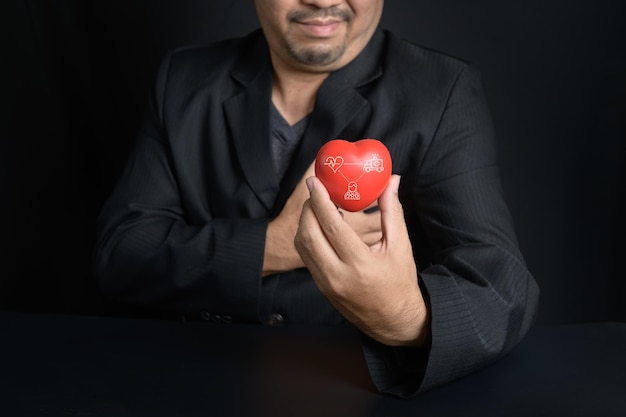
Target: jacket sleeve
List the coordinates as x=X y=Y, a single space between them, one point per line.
x=149 y=251
x=481 y=296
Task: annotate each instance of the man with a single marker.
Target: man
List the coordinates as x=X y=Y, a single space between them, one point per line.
x=218 y=212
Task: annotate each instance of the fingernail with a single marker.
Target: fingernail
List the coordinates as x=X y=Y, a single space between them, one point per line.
x=309 y=183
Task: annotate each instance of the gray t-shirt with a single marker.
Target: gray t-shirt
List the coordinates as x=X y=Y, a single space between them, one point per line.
x=285 y=139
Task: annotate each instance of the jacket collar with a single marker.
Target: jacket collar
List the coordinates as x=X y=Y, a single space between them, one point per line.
x=366 y=67
x=247 y=115
x=337 y=103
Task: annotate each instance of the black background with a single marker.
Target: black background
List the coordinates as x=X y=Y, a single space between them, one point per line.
x=75 y=76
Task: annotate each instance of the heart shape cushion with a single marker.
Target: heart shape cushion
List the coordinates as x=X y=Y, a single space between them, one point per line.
x=354 y=173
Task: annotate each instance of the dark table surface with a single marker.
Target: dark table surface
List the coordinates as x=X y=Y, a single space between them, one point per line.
x=53 y=365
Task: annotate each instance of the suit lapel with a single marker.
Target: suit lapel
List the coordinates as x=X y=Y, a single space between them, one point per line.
x=337 y=103
x=247 y=115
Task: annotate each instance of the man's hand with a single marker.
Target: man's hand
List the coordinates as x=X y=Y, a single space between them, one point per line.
x=374 y=286
x=365 y=223
x=281 y=254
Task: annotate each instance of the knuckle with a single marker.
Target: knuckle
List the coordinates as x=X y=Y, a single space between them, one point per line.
x=331 y=228
x=303 y=238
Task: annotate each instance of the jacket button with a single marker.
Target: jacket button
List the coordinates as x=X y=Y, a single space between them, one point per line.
x=275 y=319
x=215 y=318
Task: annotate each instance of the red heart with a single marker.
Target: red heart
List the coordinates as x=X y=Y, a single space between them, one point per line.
x=354 y=173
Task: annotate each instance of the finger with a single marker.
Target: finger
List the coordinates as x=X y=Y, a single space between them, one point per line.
x=338 y=232
x=362 y=222
x=372 y=209
x=392 y=214
x=315 y=250
x=372 y=238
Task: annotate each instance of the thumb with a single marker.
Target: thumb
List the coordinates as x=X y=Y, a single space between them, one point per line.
x=391 y=212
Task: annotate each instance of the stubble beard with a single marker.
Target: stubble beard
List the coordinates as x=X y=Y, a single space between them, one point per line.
x=316 y=56
x=322 y=54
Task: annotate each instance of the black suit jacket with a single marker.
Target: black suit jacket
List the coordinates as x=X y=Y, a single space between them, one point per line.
x=184 y=229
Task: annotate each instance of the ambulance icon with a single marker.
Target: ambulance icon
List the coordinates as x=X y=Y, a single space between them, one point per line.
x=374 y=164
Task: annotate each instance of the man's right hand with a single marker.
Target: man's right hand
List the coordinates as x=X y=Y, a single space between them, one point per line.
x=280 y=252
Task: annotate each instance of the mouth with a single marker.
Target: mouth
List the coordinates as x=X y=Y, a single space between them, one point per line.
x=321 y=23
x=320 y=27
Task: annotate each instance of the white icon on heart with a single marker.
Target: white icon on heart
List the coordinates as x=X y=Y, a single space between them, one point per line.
x=334 y=163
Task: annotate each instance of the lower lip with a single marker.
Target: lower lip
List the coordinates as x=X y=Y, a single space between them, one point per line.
x=321 y=30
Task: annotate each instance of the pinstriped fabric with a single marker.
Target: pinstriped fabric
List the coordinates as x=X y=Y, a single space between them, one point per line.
x=481 y=295
x=185 y=227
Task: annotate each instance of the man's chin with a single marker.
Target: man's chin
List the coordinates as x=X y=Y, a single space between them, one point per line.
x=320 y=57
